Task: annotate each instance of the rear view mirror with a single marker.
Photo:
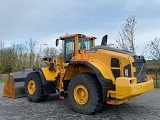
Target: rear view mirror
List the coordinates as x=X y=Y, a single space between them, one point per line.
x=57 y=42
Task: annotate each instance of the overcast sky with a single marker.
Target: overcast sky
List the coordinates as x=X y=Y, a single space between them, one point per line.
x=46 y=20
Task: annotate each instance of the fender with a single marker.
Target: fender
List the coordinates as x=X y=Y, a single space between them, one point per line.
x=43 y=79
x=103 y=75
x=49 y=87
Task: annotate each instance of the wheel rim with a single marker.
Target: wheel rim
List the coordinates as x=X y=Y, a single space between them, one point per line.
x=31 y=87
x=80 y=94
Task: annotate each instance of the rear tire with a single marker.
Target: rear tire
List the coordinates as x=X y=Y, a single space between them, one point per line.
x=85 y=93
x=34 y=88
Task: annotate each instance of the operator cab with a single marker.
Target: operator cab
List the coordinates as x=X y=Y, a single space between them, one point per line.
x=74 y=45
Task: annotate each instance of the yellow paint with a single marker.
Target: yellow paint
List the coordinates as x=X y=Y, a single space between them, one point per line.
x=126 y=89
x=80 y=93
x=101 y=59
x=49 y=75
x=103 y=69
x=75 y=35
x=31 y=87
x=59 y=84
x=9 y=87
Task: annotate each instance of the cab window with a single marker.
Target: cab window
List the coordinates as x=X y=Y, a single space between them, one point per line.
x=69 y=49
x=85 y=44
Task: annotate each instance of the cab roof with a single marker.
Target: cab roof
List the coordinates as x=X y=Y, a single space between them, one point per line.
x=74 y=35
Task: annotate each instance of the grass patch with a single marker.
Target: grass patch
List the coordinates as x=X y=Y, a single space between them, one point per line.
x=3 y=79
x=157 y=84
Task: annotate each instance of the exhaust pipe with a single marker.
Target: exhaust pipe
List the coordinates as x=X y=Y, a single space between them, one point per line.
x=104 y=40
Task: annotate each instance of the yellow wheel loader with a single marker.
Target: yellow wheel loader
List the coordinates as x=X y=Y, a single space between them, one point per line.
x=89 y=75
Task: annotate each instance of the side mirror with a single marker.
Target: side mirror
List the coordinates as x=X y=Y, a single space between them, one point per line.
x=104 y=40
x=57 y=42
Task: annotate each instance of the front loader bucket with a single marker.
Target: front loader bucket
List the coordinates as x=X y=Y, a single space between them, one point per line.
x=14 y=85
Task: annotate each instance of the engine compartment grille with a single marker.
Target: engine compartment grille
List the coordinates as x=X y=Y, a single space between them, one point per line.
x=140 y=66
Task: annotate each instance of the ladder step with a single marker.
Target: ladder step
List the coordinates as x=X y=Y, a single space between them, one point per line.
x=112 y=93
x=116 y=101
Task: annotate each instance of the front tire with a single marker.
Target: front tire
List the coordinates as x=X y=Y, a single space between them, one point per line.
x=34 y=88
x=85 y=93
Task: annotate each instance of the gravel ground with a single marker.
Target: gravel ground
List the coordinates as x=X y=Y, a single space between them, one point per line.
x=144 y=107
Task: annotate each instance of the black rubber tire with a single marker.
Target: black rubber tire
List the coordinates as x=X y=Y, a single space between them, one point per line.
x=38 y=96
x=95 y=100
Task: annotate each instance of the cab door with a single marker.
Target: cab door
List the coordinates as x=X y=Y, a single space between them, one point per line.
x=69 y=48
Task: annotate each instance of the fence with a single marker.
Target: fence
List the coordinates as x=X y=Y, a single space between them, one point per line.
x=156 y=77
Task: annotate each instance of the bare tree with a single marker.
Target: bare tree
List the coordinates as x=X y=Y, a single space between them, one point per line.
x=126 y=39
x=1 y=57
x=154 y=55
x=37 y=60
x=21 y=53
x=155 y=50
x=18 y=57
x=46 y=52
x=31 y=48
x=50 y=52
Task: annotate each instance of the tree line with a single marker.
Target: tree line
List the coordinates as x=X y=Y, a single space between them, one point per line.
x=23 y=56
